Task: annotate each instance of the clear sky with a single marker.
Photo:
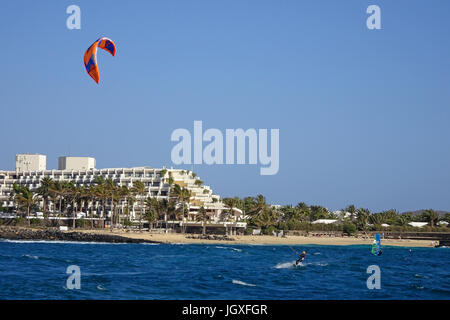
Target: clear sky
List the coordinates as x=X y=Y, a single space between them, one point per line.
x=363 y=114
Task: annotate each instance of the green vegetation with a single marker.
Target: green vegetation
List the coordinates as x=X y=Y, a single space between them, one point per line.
x=118 y=205
x=35 y=222
x=19 y=221
x=66 y=199
x=198 y=183
x=203 y=217
x=25 y=199
x=349 y=228
x=81 y=223
x=300 y=217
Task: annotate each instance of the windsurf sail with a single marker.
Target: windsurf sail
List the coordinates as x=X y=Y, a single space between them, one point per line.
x=376 y=245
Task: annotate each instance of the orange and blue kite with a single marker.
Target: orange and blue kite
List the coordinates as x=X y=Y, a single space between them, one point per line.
x=90 y=56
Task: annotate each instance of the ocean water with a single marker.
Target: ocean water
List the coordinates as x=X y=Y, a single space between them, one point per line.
x=37 y=270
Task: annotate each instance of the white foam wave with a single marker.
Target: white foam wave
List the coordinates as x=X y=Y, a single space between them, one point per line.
x=286 y=265
x=242 y=283
x=226 y=248
x=59 y=242
x=112 y=273
x=31 y=257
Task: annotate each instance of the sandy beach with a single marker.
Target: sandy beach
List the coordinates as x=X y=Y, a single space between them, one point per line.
x=263 y=240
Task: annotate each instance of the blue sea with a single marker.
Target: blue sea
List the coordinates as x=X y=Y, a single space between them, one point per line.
x=37 y=270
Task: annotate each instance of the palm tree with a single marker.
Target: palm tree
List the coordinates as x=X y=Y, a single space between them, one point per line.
x=61 y=190
x=263 y=215
x=170 y=211
x=90 y=194
x=248 y=203
x=150 y=215
x=198 y=183
x=44 y=191
x=431 y=216
x=130 y=200
x=101 y=192
x=163 y=213
x=175 y=192
x=124 y=194
x=181 y=196
x=53 y=198
x=202 y=216
x=108 y=189
x=352 y=210
x=115 y=200
x=318 y=212
x=57 y=193
x=139 y=191
x=258 y=209
x=171 y=180
x=99 y=180
x=376 y=219
x=403 y=220
x=231 y=204
x=179 y=213
x=154 y=208
x=304 y=211
x=25 y=199
x=362 y=218
x=66 y=194
x=390 y=216
x=186 y=195
x=269 y=217
x=76 y=194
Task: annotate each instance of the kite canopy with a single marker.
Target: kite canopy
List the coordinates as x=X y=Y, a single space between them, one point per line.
x=90 y=56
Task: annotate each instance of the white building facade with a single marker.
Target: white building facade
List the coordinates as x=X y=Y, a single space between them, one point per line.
x=156 y=183
x=31 y=162
x=76 y=163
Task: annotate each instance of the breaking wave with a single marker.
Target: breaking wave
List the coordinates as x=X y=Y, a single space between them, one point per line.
x=242 y=283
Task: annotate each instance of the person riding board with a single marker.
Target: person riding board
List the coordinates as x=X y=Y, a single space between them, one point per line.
x=301 y=257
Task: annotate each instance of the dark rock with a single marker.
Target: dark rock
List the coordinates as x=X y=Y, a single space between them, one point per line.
x=14 y=233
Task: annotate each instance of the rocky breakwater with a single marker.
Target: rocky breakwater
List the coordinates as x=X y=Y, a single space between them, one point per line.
x=14 y=233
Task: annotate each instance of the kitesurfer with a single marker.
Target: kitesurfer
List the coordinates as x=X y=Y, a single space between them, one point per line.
x=301 y=257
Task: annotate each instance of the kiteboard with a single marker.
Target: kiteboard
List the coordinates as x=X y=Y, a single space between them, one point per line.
x=299 y=264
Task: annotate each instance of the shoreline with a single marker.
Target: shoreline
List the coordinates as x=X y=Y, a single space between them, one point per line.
x=117 y=236
x=178 y=238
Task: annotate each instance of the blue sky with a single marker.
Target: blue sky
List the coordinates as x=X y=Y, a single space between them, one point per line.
x=363 y=114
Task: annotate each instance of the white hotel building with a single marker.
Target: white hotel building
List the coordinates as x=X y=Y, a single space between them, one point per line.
x=31 y=169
